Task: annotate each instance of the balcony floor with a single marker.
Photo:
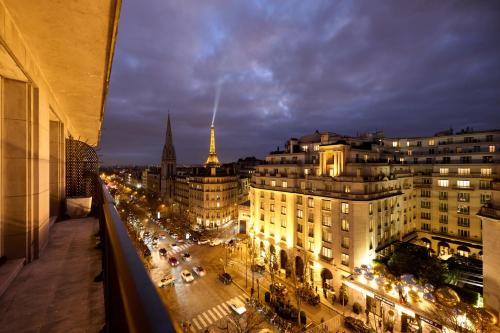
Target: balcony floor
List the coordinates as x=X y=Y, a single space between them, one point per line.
x=57 y=292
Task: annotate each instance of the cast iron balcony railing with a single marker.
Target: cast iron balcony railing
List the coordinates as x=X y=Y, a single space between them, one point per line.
x=132 y=303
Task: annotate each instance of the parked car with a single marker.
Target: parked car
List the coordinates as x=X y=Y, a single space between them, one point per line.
x=200 y=271
x=278 y=289
x=162 y=251
x=173 y=261
x=173 y=245
x=203 y=241
x=147 y=253
x=186 y=256
x=187 y=276
x=237 y=305
x=225 y=278
x=168 y=280
x=174 y=236
x=215 y=242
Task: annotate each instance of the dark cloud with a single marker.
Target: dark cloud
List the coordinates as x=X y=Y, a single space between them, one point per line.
x=289 y=68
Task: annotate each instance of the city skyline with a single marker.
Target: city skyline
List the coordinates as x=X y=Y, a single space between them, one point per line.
x=407 y=69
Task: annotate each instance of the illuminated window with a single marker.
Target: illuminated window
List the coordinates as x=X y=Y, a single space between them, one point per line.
x=326 y=204
x=443 y=182
x=345 y=225
x=491 y=149
x=300 y=213
x=463 y=183
x=345 y=242
x=326 y=252
x=311 y=245
x=310 y=202
x=284 y=184
x=326 y=220
x=304 y=148
x=394 y=143
x=486 y=172
x=464 y=171
x=316 y=147
x=431 y=142
x=443 y=171
x=271 y=208
x=283 y=210
x=344 y=259
x=273 y=183
x=344 y=207
x=347 y=188
x=306 y=171
x=407 y=143
x=283 y=222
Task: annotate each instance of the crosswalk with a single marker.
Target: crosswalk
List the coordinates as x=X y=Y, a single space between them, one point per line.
x=179 y=248
x=213 y=315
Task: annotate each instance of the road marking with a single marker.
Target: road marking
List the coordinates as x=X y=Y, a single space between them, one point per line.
x=221 y=309
x=201 y=321
x=242 y=299
x=217 y=313
x=207 y=318
x=197 y=324
x=226 y=307
x=214 y=313
x=192 y=329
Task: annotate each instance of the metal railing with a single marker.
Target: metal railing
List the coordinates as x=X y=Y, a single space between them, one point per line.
x=132 y=303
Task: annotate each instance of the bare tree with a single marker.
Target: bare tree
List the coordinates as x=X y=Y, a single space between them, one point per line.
x=299 y=277
x=250 y=321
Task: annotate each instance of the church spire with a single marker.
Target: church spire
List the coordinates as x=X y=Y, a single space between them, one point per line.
x=168 y=148
x=212 y=160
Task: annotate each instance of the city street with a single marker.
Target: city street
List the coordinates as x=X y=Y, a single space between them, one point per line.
x=204 y=301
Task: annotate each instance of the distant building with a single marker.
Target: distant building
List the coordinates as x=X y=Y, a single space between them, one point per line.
x=151 y=179
x=209 y=195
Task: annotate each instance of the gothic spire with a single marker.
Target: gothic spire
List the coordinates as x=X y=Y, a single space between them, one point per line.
x=168 y=148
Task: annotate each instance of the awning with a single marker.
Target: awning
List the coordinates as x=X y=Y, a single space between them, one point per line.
x=326 y=274
x=463 y=248
x=425 y=240
x=443 y=244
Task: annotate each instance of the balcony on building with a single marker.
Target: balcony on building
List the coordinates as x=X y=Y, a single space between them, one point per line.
x=55 y=66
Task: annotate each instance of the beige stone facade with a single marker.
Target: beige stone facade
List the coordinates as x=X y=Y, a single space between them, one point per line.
x=55 y=64
x=346 y=201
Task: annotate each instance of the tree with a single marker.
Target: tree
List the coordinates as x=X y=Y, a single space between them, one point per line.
x=250 y=321
x=464 y=318
x=299 y=275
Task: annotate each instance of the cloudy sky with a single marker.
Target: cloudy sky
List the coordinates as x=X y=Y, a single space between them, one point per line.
x=287 y=68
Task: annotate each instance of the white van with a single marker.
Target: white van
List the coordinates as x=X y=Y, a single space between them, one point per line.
x=237 y=305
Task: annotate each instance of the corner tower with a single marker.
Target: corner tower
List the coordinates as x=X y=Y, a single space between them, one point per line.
x=168 y=164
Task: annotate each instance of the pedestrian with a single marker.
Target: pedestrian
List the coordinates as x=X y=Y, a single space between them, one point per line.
x=324 y=292
x=251 y=292
x=316 y=289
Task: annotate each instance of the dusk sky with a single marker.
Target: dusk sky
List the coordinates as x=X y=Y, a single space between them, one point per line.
x=288 y=68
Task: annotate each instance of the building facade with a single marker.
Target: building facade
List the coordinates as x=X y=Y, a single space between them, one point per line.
x=347 y=200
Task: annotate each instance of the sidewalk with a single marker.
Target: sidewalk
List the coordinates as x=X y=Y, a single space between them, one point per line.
x=327 y=312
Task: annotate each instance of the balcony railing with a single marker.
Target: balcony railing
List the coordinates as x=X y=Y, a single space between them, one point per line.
x=132 y=303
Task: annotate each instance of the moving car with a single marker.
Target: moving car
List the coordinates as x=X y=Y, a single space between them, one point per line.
x=215 y=242
x=168 y=280
x=186 y=256
x=162 y=251
x=225 y=278
x=237 y=305
x=203 y=241
x=173 y=261
x=200 y=271
x=173 y=245
x=187 y=276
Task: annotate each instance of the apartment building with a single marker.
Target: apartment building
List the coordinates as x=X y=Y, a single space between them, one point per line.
x=453 y=174
x=347 y=200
